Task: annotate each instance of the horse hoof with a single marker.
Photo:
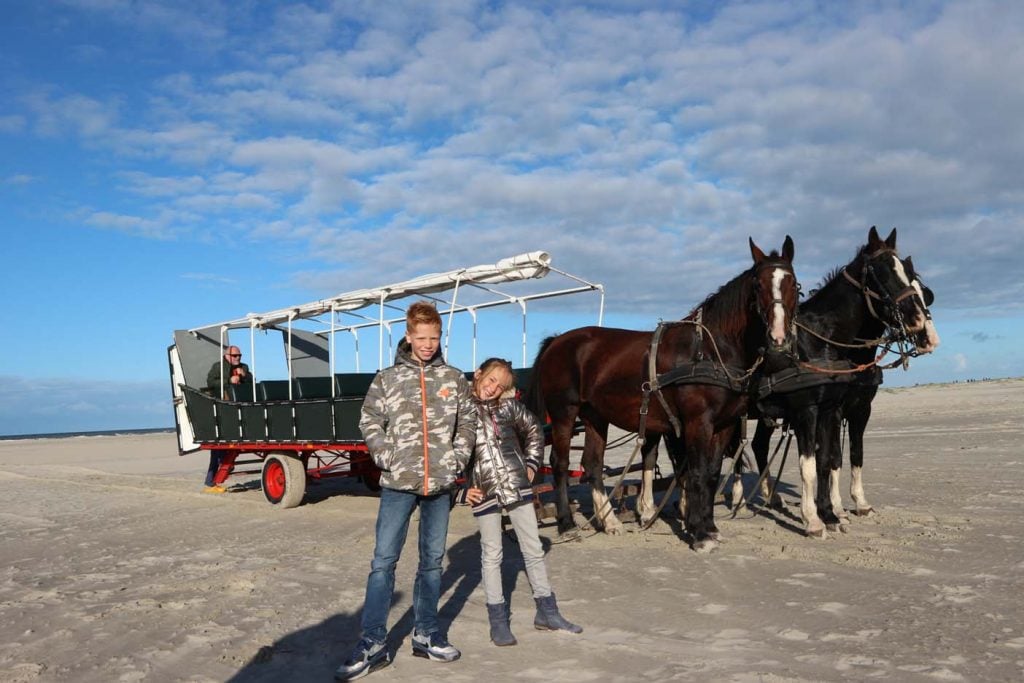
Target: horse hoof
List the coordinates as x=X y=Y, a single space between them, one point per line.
x=863 y=512
x=836 y=526
x=816 y=531
x=706 y=546
x=777 y=503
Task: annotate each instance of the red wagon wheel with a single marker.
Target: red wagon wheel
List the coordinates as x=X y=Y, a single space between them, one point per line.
x=284 y=480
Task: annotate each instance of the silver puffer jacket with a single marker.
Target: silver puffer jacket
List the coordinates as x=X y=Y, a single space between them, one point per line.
x=509 y=439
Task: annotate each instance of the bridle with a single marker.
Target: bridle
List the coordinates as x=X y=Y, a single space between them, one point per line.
x=789 y=344
x=872 y=282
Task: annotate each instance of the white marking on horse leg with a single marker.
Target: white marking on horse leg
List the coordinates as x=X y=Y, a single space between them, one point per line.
x=778 y=312
x=836 y=498
x=766 y=489
x=645 y=501
x=603 y=512
x=813 y=525
x=861 y=506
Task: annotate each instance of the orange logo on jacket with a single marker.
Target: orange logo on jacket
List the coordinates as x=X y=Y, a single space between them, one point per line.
x=444 y=393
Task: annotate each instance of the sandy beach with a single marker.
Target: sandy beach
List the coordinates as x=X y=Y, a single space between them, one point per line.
x=116 y=567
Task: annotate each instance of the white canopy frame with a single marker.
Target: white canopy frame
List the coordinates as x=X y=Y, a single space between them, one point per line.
x=531 y=265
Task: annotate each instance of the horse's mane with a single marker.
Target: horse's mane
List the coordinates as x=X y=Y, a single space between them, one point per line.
x=724 y=310
x=833 y=274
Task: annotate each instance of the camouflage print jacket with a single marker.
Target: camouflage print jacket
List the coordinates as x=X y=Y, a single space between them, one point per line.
x=419 y=423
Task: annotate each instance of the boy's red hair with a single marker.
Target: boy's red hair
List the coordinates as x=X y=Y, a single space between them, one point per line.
x=422 y=313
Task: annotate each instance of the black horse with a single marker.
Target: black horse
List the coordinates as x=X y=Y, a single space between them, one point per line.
x=693 y=396
x=840 y=328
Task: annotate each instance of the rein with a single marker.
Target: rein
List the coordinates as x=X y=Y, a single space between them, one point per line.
x=899 y=337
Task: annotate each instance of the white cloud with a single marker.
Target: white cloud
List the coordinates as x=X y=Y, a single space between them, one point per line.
x=644 y=146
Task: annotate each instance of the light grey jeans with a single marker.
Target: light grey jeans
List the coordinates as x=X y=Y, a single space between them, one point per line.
x=524 y=521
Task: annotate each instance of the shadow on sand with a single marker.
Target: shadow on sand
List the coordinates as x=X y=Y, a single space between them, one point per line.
x=315 y=652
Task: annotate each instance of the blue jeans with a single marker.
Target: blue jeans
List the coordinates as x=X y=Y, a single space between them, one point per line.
x=396 y=508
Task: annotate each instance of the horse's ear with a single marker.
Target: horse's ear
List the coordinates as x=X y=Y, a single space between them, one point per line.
x=890 y=241
x=874 y=241
x=787 y=249
x=756 y=252
x=929 y=295
x=908 y=265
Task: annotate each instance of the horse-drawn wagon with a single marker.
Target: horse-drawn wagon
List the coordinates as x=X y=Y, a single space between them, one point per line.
x=305 y=426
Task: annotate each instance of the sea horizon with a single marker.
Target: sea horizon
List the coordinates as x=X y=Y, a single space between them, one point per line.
x=97 y=432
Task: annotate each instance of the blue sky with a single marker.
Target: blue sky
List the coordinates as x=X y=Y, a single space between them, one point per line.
x=170 y=163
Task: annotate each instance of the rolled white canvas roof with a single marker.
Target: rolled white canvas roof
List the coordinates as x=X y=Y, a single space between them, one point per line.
x=535 y=264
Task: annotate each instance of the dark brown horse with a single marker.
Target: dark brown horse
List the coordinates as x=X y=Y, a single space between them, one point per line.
x=701 y=369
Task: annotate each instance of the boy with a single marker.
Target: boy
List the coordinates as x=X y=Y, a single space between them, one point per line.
x=419 y=425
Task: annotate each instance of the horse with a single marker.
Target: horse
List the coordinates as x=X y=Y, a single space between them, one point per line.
x=697 y=369
x=857 y=404
x=839 y=330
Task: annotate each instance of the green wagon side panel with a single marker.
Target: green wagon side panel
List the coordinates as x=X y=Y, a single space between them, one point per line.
x=346 y=419
x=314 y=421
x=280 y=426
x=254 y=421
x=200 y=414
x=229 y=421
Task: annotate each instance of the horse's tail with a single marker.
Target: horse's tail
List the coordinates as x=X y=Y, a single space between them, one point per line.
x=534 y=398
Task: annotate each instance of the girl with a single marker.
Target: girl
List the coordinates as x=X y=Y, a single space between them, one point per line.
x=509 y=445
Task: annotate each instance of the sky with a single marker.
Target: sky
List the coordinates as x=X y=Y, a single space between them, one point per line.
x=171 y=163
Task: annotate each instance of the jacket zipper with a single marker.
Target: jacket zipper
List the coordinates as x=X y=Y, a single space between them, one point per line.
x=426 y=450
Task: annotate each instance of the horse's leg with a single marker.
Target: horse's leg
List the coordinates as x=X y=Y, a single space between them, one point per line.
x=677 y=454
x=804 y=422
x=722 y=443
x=700 y=482
x=593 y=464
x=561 y=436
x=829 y=444
x=856 y=422
x=760 y=444
x=645 y=499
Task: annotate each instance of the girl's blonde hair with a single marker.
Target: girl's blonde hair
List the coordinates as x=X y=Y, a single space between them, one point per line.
x=491 y=364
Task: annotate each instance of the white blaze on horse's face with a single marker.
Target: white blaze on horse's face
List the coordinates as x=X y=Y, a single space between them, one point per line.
x=928 y=339
x=916 y=320
x=778 y=331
